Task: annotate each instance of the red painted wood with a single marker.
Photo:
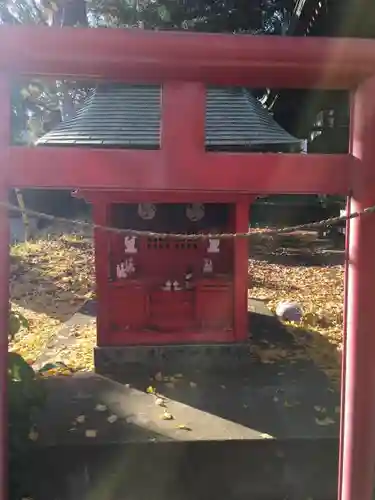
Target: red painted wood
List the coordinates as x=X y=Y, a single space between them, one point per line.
x=139 y=304
x=127 y=307
x=100 y=216
x=5 y=92
x=74 y=167
x=277 y=173
x=140 y=55
x=344 y=344
x=183 y=121
x=171 y=263
x=241 y=259
x=358 y=430
x=171 y=312
x=215 y=309
x=148 y=171
x=158 y=196
x=4 y=328
x=344 y=351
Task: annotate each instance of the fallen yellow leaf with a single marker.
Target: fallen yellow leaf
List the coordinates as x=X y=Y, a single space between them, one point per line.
x=320 y=409
x=91 y=433
x=325 y=421
x=167 y=416
x=287 y=404
x=33 y=435
x=317 y=289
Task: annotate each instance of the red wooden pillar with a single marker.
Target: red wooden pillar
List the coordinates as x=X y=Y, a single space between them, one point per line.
x=101 y=217
x=241 y=259
x=4 y=284
x=344 y=351
x=182 y=126
x=357 y=450
x=4 y=328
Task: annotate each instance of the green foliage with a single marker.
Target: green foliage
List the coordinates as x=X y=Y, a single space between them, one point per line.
x=16 y=322
x=39 y=105
x=25 y=398
x=25 y=395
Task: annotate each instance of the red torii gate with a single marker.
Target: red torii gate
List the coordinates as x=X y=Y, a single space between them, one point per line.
x=184 y=63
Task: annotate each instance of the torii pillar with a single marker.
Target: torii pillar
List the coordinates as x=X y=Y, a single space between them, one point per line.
x=4 y=285
x=357 y=453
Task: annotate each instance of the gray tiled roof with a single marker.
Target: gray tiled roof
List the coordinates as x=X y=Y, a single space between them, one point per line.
x=128 y=116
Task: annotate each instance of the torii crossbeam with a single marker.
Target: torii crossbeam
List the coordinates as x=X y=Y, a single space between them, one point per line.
x=184 y=64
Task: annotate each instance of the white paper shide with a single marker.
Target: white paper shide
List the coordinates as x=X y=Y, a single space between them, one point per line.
x=129 y=244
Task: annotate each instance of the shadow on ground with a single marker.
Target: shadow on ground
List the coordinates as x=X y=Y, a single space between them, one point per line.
x=298 y=249
x=234 y=470
x=281 y=393
x=225 y=451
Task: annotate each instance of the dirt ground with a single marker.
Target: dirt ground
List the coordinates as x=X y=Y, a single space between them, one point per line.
x=53 y=276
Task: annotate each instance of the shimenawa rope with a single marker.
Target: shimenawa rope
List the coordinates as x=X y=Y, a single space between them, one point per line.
x=183 y=236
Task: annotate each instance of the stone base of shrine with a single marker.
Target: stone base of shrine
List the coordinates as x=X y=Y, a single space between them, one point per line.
x=177 y=357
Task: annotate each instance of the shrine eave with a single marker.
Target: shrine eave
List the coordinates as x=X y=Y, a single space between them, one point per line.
x=129 y=116
x=255 y=173
x=146 y=56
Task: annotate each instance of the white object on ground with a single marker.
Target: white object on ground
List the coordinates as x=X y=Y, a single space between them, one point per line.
x=289 y=311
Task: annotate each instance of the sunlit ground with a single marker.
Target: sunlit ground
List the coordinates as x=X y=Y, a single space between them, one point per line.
x=52 y=278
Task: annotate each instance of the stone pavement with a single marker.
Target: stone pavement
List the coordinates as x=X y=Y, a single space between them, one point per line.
x=269 y=434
